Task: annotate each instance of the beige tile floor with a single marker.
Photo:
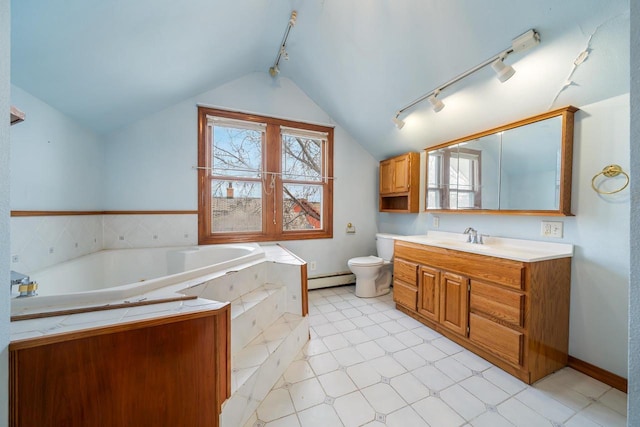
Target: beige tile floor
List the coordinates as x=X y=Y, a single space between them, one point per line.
x=367 y=364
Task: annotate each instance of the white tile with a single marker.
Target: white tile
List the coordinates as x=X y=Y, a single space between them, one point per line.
x=387 y=367
x=410 y=323
x=616 y=400
x=581 y=420
x=463 y=402
x=317 y=319
x=521 y=415
x=306 y=394
x=408 y=338
x=580 y=382
x=405 y=417
x=409 y=388
x=603 y=415
x=390 y=344
x=356 y=337
x=379 y=318
x=319 y=416
x=409 y=359
x=298 y=370
x=426 y=333
x=314 y=347
x=471 y=361
x=453 y=369
x=375 y=331
x=361 y=321
x=325 y=330
x=335 y=342
x=370 y=350
x=506 y=382
x=394 y=314
x=353 y=409
x=326 y=308
x=491 y=419
x=432 y=378
x=363 y=374
x=344 y=325
x=335 y=316
x=276 y=405
x=350 y=313
x=545 y=405
x=484 y=390
x=250 y=356
x=337 y=383
x=446 y=345
x=288 y=421
x=437 y=413
x=348 y=356
x=383 y=398
x=429 y=352
x=323 y=363
x=393 y=327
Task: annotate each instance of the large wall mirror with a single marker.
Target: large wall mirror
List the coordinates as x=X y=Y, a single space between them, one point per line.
x=523 y=168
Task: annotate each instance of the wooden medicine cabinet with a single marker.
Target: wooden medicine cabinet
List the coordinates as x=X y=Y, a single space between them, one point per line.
x=400 y=183
x=523 y=168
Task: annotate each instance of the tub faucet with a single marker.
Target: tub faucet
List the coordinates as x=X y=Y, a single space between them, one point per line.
x=473 y=235
x=26 y=287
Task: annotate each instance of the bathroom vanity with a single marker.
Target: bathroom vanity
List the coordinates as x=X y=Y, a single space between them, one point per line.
x=507 y=300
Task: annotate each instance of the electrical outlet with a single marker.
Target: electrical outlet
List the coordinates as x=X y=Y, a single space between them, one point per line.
x=436 y=222
x=312 y=265
x=552 y=229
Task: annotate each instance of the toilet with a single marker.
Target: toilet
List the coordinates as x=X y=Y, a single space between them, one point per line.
x=374 y=273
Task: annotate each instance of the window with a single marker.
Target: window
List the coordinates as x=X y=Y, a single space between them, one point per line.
x=263 y=179
x=460 y=188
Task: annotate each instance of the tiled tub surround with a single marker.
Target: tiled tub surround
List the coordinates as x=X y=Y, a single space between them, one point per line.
x=367 y=364
x=41 y=241
x=267 y=328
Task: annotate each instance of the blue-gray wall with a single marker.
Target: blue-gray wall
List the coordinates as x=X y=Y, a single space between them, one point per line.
x=5 y=59
x=634 y=283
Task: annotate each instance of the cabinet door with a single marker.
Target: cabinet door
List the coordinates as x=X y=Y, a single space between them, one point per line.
x=401 y=176
x=429 y=293
x=404 y=294
x=386 y=176
x=454 y=302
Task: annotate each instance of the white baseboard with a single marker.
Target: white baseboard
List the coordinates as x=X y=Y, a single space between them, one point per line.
x=335 y=279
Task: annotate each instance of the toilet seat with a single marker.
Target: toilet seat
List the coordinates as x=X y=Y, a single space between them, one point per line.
x=366 y=261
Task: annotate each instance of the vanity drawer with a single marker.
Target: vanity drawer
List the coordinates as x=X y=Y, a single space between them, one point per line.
x=497 y=302
x=405 y=270
x=497 y=339
x=405 y=295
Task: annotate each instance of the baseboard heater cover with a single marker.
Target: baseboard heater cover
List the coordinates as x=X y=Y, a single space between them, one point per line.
x=329 y=280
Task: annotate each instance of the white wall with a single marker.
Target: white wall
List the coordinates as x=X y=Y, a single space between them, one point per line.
x=150 y=162
x=633 y=402
x=599 y=231
x=55 y=163
x=5 y=307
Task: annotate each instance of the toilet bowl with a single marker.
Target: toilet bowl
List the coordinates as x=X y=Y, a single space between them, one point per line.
x=374 y=273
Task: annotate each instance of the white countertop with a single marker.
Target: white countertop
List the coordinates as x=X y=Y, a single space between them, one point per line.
x=500 y=247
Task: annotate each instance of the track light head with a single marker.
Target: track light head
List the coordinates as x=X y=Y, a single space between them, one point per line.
x=436 y=104
x=273 y=71
x=504 y=71
x=398 y=122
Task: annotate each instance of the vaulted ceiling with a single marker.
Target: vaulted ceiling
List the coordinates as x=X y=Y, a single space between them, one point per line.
x=108 y=63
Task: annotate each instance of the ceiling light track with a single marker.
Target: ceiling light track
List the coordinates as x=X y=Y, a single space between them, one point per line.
x=282 y=51
x=503 y=71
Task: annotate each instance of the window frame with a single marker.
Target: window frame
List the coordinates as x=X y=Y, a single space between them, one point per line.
x=272 y=202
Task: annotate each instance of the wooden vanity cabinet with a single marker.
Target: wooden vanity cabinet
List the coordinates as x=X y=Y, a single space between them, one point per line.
x=399 y=183
x=514 y=314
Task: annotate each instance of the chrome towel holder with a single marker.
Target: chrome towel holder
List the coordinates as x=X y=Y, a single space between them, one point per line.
x=610 y=171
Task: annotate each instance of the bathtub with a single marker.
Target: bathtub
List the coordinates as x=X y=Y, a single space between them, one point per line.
x=115 y=274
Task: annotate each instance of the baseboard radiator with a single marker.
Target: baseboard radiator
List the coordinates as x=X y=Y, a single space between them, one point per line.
x=329 y=280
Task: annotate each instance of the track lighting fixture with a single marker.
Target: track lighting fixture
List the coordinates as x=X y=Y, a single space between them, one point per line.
x=282 y=51
x=504 y=72
x=435 y=102
x=398 y=122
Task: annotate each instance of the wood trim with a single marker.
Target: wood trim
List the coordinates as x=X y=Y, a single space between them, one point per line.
x=497 y=212
x=103 y=330
x=67 y=312
x=304 y=289
x=599 y=374
x=77 y=213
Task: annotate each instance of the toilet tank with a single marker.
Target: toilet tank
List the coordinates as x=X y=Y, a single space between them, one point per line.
x=384 y=245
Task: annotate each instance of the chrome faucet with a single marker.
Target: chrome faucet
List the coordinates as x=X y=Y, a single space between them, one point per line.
x=473 y=235
x=26 y=287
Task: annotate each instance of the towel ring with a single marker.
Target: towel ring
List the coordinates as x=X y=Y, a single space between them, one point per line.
x=609 y=172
